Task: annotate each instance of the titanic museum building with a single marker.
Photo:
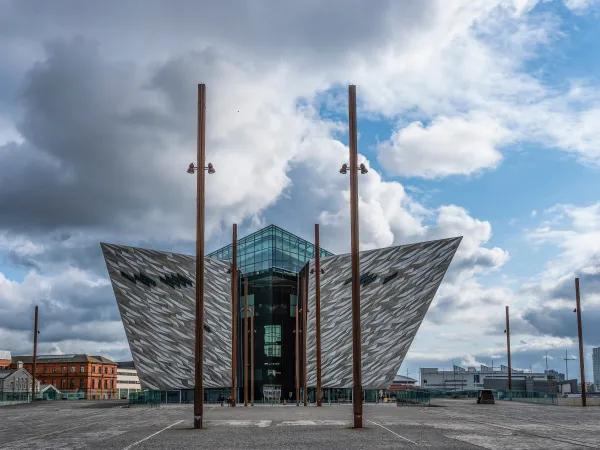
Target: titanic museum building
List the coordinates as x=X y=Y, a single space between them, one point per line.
x=155 y=294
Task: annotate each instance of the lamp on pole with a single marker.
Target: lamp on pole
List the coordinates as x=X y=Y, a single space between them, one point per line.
x=234 y=308
x=356 y=332
x=304 y=333
x=35 y=338
x=580 y=335
x=245 y=311
x=252 y=331
x=297 y=333
x=200 y=169
x=507 y=331
x=318 y=272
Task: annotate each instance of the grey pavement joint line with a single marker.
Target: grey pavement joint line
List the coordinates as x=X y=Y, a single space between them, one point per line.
x=393 y=432
x=152 y=435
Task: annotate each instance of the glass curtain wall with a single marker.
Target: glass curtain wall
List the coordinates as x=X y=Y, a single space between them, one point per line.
x=270 y=247
x=271 y=259
x=270 y=295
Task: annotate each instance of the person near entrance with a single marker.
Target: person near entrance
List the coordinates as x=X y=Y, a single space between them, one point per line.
x=222 y=399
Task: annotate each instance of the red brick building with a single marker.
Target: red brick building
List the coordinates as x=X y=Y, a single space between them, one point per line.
x=95 y=376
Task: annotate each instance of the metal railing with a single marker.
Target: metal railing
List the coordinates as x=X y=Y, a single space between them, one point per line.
x=148 y=398
x=13 y=398
x=542 y=398
x=407 y=397
x=456 y=394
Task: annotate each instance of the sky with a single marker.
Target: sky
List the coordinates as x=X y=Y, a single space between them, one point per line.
x=477 y=118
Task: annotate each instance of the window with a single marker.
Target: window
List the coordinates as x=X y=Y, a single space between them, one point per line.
x=273 y=350
x=106 y=384
x=72 y=383
x=81 y=382
x=105 y=369
x=72 y=369
x=63 y=384
x=54 y=370
x=45 y=370
x=64 y=369
x=476 y=378
x=54 y=383
x=37 y=369
x=93 y=369
x=111 y=370
x=82 y=369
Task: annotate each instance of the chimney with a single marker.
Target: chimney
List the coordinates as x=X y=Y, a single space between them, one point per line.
x=19 y=364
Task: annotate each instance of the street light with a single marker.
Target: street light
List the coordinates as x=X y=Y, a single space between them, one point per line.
x=580 y=335
x=199 y=346
x=297 y=336
x=318 y=271
x=233 y=270
x=35 y=339
x=354 y=240
x=507 y=331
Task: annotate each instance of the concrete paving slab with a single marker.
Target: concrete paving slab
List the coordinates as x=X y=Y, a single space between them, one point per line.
x=454 y=424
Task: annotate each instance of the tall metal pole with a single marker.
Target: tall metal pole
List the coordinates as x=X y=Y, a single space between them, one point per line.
x=304 y=333
x=580 y=333
x=508 y=350
x=252 y=357
x=35 y=337
x=356 y=332
x=245 y=309
x=199 y=350
x=318 y=310
x=234 y=310
x=298 y=348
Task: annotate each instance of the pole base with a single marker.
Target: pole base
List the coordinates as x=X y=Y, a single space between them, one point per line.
x=197 y=422
x=358 y=422
x=318 y=402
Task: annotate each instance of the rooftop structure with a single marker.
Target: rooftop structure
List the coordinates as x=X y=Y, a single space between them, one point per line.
x=270 y=247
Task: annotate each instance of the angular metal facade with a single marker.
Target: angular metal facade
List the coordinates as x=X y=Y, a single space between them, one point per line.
x=397 y=286
x=155 y=293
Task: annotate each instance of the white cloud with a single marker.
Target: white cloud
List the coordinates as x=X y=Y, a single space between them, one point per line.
x=576 y=231
x=579 y=5
x=450 y=74
x=447 y=146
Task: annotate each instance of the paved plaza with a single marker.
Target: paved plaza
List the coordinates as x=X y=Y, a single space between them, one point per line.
x=451 y=424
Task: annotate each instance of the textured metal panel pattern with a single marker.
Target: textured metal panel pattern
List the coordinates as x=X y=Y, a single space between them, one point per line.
x=155 y=293
x=398 y=285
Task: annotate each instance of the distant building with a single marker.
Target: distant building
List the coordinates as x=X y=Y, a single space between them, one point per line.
x=127 y=379
x=596 y=366
x=5 y=359
x=95 y=376
x=471 y=378
x=15 y=381
x=49 y=392
x=402 y=382
x=553 y=375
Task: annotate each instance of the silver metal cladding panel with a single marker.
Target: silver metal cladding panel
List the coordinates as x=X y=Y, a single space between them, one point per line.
x=398 y=286
x=159 y=317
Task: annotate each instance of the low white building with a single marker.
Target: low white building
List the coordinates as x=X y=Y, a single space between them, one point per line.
x=127 y=379
x=15 y=386
x=471 y=378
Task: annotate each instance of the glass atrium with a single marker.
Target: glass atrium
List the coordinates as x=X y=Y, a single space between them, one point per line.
x=271 y=260
x=271 y=247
